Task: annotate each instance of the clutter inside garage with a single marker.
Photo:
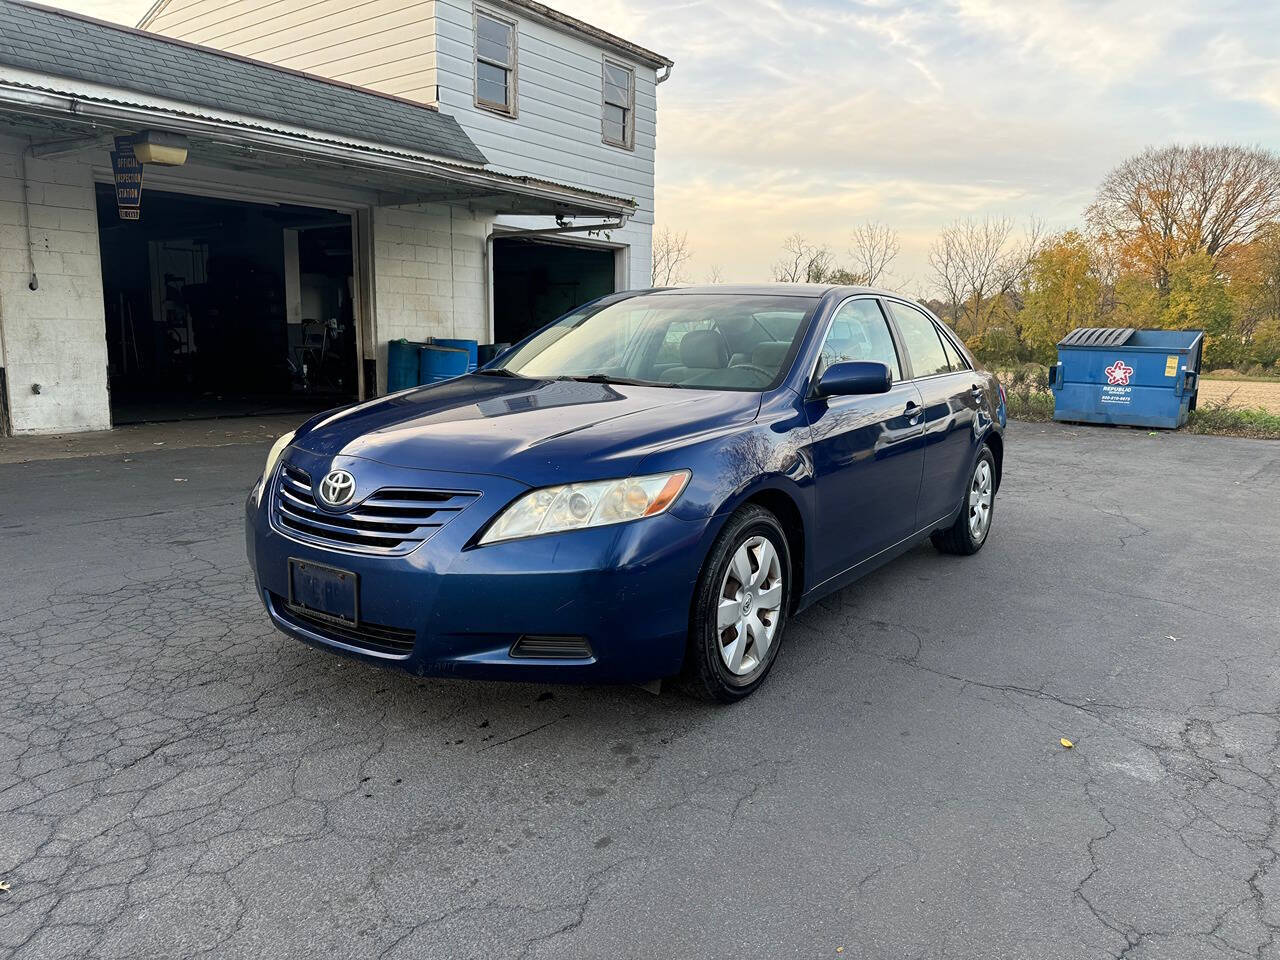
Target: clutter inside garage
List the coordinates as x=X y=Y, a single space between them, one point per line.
x=217 y=307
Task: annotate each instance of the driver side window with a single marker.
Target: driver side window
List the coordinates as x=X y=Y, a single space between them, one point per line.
x=859 y=332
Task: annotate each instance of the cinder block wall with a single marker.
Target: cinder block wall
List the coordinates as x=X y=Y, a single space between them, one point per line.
x=428 y=275
x=54 y=336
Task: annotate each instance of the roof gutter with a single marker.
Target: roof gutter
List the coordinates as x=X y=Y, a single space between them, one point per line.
x=328 y=147
x=548 y=15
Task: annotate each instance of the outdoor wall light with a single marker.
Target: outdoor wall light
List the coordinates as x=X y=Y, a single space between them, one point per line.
x=161 y=148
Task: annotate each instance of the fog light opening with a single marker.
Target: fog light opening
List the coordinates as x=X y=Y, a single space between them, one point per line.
x=532 y=647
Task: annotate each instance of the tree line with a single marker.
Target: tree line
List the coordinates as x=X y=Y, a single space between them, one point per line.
x=1178 y=237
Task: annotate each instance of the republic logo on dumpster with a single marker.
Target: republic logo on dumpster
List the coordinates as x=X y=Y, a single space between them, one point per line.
x=1118 y=373
x=1117 y=389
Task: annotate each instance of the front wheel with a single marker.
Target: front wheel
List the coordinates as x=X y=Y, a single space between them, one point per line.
x=740 y=607
x=967 y=535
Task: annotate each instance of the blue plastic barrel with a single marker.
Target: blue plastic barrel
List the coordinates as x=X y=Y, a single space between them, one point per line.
x=438 y=363
x=402 y=365
x=467 y=345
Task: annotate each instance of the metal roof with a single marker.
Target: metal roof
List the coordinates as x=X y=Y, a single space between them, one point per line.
x=54 y=42
x=64 y=117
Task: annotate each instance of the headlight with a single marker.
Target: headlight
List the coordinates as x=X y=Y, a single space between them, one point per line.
x=575 y=505
x=273 y=458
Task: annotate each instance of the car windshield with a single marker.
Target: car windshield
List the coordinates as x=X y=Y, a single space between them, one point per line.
x=698 y=341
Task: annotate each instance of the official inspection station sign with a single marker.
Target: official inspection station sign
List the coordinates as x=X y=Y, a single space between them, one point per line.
x=128 y=176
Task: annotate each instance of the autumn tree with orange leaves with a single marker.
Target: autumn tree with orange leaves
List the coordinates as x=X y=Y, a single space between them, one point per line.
x=1170 y=202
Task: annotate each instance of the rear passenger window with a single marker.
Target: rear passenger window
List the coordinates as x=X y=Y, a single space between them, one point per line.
x=859 y=332
x=922 y=340
x=953 y=356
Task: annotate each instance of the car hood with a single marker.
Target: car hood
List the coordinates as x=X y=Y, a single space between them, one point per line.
x=538 y=432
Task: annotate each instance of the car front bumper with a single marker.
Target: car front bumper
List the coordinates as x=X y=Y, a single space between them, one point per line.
x=626 y=589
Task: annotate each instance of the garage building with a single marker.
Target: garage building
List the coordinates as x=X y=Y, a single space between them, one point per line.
x=309 y=223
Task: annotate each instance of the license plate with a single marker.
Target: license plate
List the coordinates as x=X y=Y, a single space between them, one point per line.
x=324 y=590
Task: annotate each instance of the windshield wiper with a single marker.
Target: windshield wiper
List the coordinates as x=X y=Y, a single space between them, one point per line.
x=621 y=381
x=500 y=372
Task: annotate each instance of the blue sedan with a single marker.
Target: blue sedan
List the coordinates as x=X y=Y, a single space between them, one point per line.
x=649 y=486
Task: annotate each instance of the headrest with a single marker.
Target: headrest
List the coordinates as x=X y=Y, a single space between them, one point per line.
x=770 y=354
x=704 y=349
x=733 y=326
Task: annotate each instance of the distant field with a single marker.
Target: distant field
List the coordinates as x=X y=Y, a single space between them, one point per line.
x=1242 y=393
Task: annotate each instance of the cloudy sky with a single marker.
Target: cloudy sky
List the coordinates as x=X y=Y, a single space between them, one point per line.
x=787 y=115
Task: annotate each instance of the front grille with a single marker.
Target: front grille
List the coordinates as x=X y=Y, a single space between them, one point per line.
x=391 y=520
x=369 y=636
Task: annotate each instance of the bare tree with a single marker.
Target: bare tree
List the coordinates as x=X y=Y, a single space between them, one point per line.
x=977 y=266
x=715 y=274
x=872 y=249
x=1171 y=201
x=803 y=262
x=670 y=254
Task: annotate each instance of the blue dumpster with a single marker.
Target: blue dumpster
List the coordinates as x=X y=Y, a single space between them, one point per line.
x=1128 y=377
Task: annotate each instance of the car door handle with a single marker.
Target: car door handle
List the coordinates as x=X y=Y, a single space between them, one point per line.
x=913 y=412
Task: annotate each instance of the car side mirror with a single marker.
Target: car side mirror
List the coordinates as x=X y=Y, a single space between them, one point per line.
x=854 y=377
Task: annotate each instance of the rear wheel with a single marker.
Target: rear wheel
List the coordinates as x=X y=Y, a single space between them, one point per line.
x=740 y=607
x=967 y=535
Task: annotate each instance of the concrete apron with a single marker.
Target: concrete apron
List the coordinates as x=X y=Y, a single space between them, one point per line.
x=137 y=438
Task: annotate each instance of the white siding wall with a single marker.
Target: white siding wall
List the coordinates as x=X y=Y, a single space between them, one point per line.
x=428 y=275
x=556 y=134
x=55 y=336
x=387 y=45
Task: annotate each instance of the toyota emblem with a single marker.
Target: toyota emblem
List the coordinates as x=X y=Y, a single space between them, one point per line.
x=337 y=488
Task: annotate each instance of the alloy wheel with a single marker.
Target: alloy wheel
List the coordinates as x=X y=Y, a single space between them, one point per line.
x=980 y=493
x=749 y=606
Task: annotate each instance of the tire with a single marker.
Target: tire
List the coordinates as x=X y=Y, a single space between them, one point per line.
x=966 y=536
x=752 y=548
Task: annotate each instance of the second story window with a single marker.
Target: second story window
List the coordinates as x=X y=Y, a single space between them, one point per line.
x=619 y=104
x=495 y=63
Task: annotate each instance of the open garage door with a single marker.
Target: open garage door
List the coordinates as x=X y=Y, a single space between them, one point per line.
x=535 y=281
x=221 y=308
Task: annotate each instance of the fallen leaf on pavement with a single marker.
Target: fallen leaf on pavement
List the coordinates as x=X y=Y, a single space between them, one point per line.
x=4 y=886
x=1066 y=743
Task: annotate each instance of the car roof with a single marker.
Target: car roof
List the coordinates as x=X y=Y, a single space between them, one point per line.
x=771 y=290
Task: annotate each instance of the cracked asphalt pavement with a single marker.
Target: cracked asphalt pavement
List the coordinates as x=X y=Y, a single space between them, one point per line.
x=178 y=780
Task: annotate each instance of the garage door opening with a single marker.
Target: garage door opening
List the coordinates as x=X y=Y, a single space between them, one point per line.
x=218 y=308
x=535 y=281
